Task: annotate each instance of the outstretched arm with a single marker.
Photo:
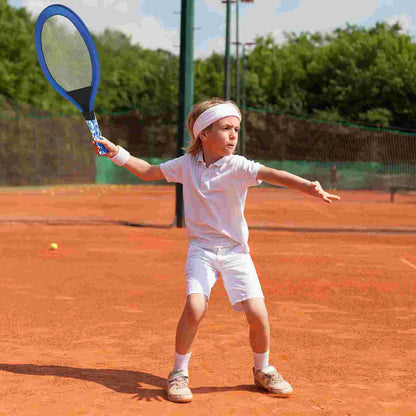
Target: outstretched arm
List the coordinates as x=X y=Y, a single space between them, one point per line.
x=282 y=178
x=136 y=166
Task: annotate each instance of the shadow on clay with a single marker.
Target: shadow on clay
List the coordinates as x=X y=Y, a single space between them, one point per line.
x=120 y=381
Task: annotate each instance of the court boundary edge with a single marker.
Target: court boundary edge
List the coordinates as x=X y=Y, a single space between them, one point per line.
x=260 y=227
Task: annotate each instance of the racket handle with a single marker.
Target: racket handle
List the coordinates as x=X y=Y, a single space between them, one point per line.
x=96 y=134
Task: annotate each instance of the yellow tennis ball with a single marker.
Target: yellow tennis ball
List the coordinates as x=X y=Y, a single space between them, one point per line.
x=54 y=246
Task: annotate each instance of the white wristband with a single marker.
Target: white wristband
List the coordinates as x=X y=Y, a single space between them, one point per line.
x=121 y=157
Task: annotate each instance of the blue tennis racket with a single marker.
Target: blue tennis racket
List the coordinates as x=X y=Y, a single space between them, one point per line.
x=69 y=60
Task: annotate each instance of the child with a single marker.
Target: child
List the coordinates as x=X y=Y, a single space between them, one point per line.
x=215 y=183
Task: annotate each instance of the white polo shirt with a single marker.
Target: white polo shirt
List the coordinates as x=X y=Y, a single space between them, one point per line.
x=214 y=197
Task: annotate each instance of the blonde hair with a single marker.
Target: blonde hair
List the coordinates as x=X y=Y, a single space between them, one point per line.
x=196 y=145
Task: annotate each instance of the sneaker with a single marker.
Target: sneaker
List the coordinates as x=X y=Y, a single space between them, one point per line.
x=269 y=379
x=177 y=388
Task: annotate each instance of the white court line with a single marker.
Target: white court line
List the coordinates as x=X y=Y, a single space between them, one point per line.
x=408 y=263
x=321 y=211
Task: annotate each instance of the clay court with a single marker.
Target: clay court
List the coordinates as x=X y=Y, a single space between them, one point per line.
x=89 y=329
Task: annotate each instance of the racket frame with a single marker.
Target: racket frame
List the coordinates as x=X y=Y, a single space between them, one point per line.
x=58 y=9
x=88 y=113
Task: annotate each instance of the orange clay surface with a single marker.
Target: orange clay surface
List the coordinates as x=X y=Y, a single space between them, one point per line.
x=89 y=329
x=266 y=207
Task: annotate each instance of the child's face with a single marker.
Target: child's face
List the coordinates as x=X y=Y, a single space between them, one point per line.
x=221 y=138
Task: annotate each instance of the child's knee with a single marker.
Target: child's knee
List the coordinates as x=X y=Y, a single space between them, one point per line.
x=195 y=307
x=258 y=322
x=256 y=313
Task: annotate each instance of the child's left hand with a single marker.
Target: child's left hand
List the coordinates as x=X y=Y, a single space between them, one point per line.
x=319 y=192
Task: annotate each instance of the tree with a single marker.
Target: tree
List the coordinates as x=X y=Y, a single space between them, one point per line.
x=352 y=74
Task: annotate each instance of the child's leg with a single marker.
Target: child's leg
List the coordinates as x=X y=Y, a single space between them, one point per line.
x=193 y=312
x=177 y=386
x=265 y=376
x=258 y=319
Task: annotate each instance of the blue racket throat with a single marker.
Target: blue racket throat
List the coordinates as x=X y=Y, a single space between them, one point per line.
x=69 y=60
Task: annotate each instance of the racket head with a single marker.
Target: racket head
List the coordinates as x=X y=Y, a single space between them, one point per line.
x=83 y=98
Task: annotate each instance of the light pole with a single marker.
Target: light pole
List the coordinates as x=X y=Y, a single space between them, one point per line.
x=237 y=47
x=227 y=64
x=186 y=92
x=243 y=106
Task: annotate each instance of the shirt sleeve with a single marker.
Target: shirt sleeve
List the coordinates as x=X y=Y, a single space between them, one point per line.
x=247 y=170
x=173 y=169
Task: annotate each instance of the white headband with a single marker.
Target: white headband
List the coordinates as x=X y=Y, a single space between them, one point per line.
x=212 y=115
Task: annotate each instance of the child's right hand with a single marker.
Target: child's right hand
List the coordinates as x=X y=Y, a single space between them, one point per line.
x=111 y=147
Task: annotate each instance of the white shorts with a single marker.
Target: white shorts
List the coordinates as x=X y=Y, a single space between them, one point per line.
x=233 y=264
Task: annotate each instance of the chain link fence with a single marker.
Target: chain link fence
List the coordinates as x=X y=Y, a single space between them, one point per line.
x=39 y=148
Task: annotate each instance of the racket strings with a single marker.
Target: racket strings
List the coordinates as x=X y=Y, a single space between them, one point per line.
x=66 y=54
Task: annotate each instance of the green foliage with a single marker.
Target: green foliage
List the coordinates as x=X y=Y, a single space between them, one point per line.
x=327 y=115
x=136 y=78
x=131 y=77
x=352 y=74
x=349 y=75
x=209 y=77
x=379 y=117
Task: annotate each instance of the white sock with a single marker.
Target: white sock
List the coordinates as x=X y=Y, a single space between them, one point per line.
x=261 y=361
x=181 y=362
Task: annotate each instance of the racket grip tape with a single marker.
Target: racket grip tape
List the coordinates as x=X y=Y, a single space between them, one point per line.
x=95 y=131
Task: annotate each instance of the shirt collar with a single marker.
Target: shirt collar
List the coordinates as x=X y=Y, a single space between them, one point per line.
x=219 y=163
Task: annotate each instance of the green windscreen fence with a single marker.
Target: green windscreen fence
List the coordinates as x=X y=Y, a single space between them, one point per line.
x=345 y=155
x=37 y=148
x=40 y=148
x=345 y=175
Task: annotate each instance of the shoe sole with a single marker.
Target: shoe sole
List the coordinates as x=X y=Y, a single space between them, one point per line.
x=176 y=399
x=277 y=394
